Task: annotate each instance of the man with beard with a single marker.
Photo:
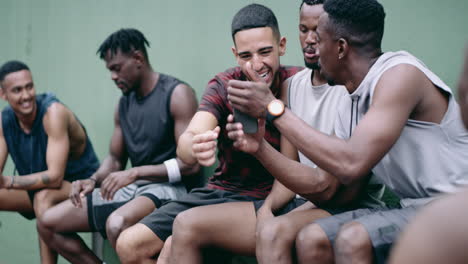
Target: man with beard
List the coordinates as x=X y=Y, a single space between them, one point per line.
x=399 y=122
x=258 y=46
x=152 y=113
x=254 y=229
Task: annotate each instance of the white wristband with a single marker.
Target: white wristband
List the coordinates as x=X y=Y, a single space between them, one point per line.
x=173 y=171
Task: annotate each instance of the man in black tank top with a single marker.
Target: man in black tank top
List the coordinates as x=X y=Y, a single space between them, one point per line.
x=47 y=144
x=152 y=113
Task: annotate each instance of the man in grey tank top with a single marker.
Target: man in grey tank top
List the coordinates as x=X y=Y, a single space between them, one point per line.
x=399 y=122
x=445 y=220
x=152 y=113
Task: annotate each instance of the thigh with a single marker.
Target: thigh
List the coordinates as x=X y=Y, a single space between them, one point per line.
x=15 y=200
x=65 y=217
x=48 y=197
x=332 y=225
x=136 y=209
x=384 y=227
x=230 y=225
x=296 y=219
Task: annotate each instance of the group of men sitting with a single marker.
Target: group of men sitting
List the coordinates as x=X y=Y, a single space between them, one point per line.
x=304 y=186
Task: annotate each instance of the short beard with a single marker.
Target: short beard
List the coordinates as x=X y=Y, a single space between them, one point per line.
x=312 y=66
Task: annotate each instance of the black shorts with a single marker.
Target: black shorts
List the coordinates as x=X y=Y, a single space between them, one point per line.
x=291 y=205
x=160 y=221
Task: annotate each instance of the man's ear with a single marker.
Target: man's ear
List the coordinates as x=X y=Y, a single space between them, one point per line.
x=139 y=57
x=234 y=51
x=2 y=93
x=343 y=48
x=282 y=46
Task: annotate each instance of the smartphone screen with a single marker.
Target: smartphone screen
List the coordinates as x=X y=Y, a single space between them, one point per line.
x=249 y=123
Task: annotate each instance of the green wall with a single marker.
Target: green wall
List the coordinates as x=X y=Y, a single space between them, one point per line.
x=58 y=39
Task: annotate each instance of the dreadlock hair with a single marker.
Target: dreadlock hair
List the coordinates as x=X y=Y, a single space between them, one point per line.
x=255 y=16
x=360 y=22
x=311 y=2
x=125 y=40
x=11 y=66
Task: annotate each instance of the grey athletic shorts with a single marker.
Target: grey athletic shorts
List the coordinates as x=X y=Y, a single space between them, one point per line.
x=382 y=224
x=99 y=209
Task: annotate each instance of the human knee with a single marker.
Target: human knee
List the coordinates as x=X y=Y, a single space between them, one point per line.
x=42 y=202
x=186 y=227
x=131 y=249
x=115 y=224
x=351 y=239
x=276 y=232
x=312 y=242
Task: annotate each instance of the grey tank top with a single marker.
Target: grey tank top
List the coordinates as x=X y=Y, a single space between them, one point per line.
x=428 y=159
x=147 y=124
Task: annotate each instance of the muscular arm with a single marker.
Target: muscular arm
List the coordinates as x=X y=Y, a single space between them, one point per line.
x=397 y=94
x=201 y=122
x=117 y=158
x=183 y=107
x=279 y=194
x=55 y=122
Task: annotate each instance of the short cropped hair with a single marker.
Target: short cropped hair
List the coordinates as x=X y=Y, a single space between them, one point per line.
x=11 y=66
x=311 y=2
x=361 y=22
x=125 y=40
x=255 y=16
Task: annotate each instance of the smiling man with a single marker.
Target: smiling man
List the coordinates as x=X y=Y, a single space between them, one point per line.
x=258 y=46
x=47 y=143
x=152 y=113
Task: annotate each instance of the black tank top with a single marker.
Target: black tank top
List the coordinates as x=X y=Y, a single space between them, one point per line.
x=147 y=124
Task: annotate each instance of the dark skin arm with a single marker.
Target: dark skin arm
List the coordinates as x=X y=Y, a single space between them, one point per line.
x=56 y=122
x=183 y=106
x=115 y=161
x=398 y=96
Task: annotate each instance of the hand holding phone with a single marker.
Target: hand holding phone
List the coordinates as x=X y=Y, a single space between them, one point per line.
x=249 y=124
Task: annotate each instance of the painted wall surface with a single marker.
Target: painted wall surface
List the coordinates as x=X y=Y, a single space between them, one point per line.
x=191 y=40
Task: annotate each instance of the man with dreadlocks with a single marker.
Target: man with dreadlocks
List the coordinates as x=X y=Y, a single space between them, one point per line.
x=152 y=113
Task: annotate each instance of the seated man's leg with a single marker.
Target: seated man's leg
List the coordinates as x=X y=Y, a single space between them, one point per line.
x=314 y=242
x=15 y=201
x=43 y=200
x=142 y=242
x=361 y=236
x=148 y=198
x=57 y=228
x=369 y=238
x=128 y=215
x=230 y=226
x=275 y=240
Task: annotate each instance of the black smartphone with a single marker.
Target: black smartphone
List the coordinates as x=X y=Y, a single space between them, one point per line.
x=249 y=124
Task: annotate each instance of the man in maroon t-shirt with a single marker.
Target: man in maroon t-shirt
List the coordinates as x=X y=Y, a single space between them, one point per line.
x=239 y=176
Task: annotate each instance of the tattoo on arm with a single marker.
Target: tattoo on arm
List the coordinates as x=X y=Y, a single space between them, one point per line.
x=45 y=179
x=22 y=182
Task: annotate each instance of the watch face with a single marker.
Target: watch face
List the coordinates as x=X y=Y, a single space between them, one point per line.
x=276 y=107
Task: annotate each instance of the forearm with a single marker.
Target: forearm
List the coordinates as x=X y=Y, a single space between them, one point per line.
x=184 y=148
x=278 y=197
x=34 y=181
x=159 y=173
x=109 y=165
x=297 y=177
x=329 y=153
